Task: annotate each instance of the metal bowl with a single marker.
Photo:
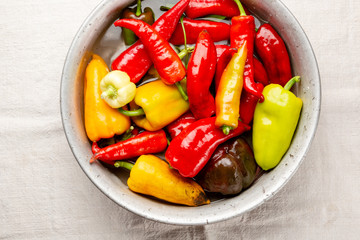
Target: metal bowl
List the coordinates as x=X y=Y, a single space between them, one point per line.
x=99 y=36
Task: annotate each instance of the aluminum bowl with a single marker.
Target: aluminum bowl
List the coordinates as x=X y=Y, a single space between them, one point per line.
x=99 y=36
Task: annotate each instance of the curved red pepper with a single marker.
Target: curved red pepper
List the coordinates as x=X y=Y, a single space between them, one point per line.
x=220 y=49
x=165 y=59
x=272 y=51
x=200 y=8
x=144 y=143
x=248 y=103
x=243 y=29
x=193 y=147
x=135 y=61
x=260 y=74
x=218 y=31
x=180 y=124
x=200 y=73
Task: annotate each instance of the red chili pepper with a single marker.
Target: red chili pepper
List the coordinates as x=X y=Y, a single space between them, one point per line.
x=260 y=74
x=247 y=105
x=220 y=49
x=200 y=73
x=193 y=147
x=95 y=148
x=218 y=31
x=144 y=143
x=222 y=62
x=180 y=124
x=243 y=29
x=200 y=8
x=272 y=51
x=135 y=60
x=165 y=59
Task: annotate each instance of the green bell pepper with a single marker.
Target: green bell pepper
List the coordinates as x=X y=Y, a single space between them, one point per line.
x=274 y=124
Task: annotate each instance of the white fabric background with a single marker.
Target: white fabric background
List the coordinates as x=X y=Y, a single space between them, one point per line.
x=45 y=195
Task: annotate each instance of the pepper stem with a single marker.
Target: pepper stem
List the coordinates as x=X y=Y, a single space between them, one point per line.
x=123 y=164
x=291 y=82
x=138 y=8
x=182 y=91
x=132 y=113
x=226 y=129
x=110 y=92
x=185 y=52
x=241 y=8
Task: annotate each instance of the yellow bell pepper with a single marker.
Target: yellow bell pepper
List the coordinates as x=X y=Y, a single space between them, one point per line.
x=116 y=88
x=152 y=176
x=161 y=104
x=101 y=121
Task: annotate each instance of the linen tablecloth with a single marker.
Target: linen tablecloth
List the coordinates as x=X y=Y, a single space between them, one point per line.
x=44 y=194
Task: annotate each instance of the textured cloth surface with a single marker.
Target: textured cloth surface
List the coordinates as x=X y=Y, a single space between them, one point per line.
x=44 y=194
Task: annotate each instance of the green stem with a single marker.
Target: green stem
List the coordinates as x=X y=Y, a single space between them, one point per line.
x=138 y=8
x=110 y=92
x=182 y=91
x=241 y=8
x=123 y=164
x=164 y=8
x=226 y=129
x=132 y=113
x=127 y=134
x=185 y=42
x=185 y=52
x=291 y=82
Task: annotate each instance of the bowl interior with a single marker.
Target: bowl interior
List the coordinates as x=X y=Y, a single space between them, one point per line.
x=98 y=35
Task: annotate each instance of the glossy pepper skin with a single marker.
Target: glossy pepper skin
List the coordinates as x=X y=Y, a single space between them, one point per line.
x=260 y=74
x=193 y=147
x=200 y=8
x=135 y=60
x=230 y=170
x=101 y=121
x=136 y=13
x=218 y=31
x=165 y=59
x=243 y=29
x=200 y=73
x=228 y=94
x=222 y=63
x=274 y=124
x=161 y=103
x=152 y=176
x=272 y=50
x=248 y=104
x=144 y=143
x=176 y=127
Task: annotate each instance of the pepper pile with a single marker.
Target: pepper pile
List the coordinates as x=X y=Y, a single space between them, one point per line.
x=228 y=79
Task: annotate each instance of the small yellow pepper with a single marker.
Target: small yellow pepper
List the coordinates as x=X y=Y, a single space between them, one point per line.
x=101 y=121
x=116 y=88
x=227 y=100
x=275 y=121
x=161 y=104
x=152 y=176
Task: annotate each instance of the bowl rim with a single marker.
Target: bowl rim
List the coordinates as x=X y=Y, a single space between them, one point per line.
x=69 y=131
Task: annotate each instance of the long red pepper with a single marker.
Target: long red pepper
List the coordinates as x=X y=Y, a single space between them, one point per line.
x=248 y=103
x=165 y=59
x=260 y=74
x=243 y=29
x=180 y=124
x=200 y=8
x=200 y=73
x=218 y=31
x=272 y=50
x=144 y=143
x=193 y=147
x=135 y=61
